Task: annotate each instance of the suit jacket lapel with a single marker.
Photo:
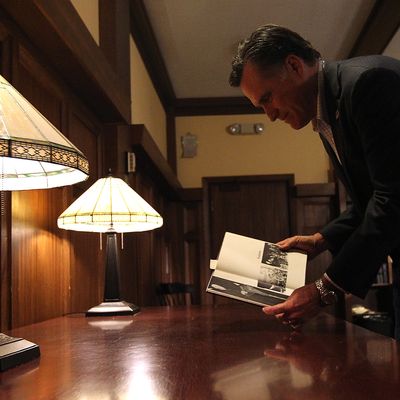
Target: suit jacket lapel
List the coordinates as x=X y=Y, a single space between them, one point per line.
x=332 y=101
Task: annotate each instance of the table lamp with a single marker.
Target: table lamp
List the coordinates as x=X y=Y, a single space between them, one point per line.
x=110 y=206
x=34 y=154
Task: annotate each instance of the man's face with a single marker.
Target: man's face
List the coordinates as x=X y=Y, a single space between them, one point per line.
x=286 y=92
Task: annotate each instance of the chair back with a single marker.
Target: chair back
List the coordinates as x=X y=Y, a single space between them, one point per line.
x=175 y=294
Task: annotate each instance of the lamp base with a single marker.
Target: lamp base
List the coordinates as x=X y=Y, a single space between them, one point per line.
x=110 y=308
x=16 y=351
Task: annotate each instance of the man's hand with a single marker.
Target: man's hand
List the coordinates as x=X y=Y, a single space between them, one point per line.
x=311 y=244
x=302 y=304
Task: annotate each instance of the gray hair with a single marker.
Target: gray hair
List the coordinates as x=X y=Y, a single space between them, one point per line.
x=269 y=45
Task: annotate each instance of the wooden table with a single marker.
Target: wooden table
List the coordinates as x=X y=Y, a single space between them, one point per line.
x=227 y=352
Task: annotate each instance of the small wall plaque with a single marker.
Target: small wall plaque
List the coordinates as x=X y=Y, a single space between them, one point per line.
x=189 y=145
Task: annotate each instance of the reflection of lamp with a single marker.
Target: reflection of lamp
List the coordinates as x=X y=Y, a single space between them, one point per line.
x=110 y=206
x=33 y=155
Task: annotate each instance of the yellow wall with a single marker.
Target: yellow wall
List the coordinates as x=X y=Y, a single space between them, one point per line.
x=146 y=106
x=279 y=150
x=88 y=10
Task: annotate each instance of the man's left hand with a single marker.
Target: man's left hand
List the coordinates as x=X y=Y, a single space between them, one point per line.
x=301 y=305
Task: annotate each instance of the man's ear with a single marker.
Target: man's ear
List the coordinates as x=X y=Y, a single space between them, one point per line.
x=294 y=64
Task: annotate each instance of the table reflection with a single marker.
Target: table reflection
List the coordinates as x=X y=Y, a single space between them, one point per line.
x=303 y=366
x=214 y=353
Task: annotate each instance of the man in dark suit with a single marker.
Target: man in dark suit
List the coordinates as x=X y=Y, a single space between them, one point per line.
x=354 y=105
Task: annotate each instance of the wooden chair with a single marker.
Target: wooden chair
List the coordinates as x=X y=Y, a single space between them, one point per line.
x=175 y=294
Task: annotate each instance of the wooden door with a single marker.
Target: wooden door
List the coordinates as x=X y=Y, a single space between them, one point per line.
x=256 y=206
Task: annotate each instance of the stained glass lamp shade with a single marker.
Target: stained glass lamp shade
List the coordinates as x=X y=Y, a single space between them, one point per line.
x=34 y=154
x=110 y=206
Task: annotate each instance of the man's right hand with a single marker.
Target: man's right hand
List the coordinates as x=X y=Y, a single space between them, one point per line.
x=311 y=244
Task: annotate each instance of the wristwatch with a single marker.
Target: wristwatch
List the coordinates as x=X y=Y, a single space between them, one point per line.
x=326 y=296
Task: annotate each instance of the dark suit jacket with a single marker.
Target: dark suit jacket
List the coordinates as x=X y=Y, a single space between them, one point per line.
x=363 y=102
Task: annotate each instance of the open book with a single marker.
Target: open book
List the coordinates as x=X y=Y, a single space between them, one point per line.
x=255 y=271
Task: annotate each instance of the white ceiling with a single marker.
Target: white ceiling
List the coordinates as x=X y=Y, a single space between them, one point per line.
x=198 y=38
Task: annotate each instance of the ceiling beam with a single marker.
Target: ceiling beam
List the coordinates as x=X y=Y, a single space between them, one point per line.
x=380 y=27
x=149 y=50
x=214 y=106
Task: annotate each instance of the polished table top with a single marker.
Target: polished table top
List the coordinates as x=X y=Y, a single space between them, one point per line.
x=227 y=352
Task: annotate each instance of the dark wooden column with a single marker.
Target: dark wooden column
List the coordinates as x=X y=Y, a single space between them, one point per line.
x=114 y=37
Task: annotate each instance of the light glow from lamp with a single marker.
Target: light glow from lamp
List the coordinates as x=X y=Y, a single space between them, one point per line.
x=110 y=204
x=34 y=154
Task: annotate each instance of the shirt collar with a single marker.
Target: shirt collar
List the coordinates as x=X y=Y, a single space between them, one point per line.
x=321 y=109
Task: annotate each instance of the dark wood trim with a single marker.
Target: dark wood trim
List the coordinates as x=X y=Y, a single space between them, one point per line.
x=191 y=194
x=146 y=42
x=204 y=268
x=315 y=189
x=289 y=178
x=5 y=261
x=381 y=25
x=214 y=106
x=171 y=141
x=114 y=29
x=57 y=32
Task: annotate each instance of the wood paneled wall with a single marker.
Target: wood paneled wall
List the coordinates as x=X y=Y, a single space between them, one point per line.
x=47 y=265
x=47 y=272
x=316 y=205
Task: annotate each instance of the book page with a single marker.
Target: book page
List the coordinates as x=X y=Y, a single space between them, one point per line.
x=263 y=262
x=244 y=289
x=245 y=281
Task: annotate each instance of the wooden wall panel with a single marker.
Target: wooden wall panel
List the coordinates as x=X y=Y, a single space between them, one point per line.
x=5 y=260
x=193 y=243
x=39 y=88
x=316 y=205
x=39 y=257
x=53 y=271
x=144 y=259
x=87 y=261
x=256 y=206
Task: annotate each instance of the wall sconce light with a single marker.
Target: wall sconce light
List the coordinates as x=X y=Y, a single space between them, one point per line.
x=245 y=129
